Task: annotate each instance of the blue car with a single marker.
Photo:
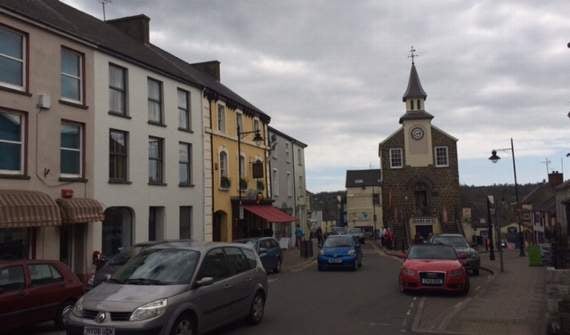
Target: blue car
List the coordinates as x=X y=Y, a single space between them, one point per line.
x=268 y=250
x=340 y=251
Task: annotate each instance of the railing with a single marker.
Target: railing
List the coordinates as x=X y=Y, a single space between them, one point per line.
x=422 y=220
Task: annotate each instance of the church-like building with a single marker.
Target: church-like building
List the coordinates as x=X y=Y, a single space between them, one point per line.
x=420 y=191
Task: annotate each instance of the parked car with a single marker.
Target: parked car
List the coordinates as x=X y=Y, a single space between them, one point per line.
x=468 y=256
x=184 y=287
x=340 y=251
x=433 y=267
x=357 y=232
x=33 y=291
x=115 y=262
x=268 y=250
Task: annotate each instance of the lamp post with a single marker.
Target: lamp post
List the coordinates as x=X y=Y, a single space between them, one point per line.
x=495 y=158
x=257 y=139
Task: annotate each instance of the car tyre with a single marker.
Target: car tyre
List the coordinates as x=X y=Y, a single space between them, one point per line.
x=401 y=287
x=476 y=271
x=466 y=288
x=62 y=312
x=355 y=266
x=277 y=268
x=184 y=325
x=257 y=309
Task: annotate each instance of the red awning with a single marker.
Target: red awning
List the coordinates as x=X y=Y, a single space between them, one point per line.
x=270 y=213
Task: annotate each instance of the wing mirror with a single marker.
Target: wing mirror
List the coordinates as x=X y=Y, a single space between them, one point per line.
x=205 y=281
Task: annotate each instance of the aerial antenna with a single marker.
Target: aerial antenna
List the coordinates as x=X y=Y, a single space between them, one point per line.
x=547 y=162
x=412 y=54
x=103 y=3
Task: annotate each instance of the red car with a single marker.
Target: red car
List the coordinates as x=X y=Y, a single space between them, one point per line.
x=33 y=291
x=433 y=267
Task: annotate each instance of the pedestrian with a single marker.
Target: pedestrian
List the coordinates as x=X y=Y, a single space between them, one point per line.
x=320 y=237
x=299 y=235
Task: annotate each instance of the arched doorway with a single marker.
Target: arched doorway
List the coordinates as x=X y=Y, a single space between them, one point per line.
x=219 y=226
x=117 y=230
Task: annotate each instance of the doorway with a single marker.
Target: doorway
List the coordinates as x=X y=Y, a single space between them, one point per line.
x=424 y=231
x=219 y=226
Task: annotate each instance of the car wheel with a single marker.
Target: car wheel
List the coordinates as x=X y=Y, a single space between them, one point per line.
x=476 y=271
x=257 y=309
x=355 y=265
x=184 y=325
x=401 y=287
x=62 y=312
x=466 y=288
x=277 y=268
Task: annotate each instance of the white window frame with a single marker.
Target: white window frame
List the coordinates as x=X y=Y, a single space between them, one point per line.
x=80 y=150
x=188 y=163
x=243 y=166
x=187 y=110
x=22 y=144
x=125 y=90
x=446 y=156
x=299 y=156
x=80 y=78
x=224 y=169
x=23 y=61
x=239 y=120
x=275 y=179
x=221 y=120
x=392 y=166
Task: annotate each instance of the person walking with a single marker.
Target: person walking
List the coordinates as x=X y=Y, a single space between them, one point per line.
x=320 y=236
x=299 y=235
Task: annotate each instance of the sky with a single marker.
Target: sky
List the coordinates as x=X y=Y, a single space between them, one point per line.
x=332 y=73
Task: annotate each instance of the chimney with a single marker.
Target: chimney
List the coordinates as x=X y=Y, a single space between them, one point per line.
x=211 y=68
x=555 y=178
x=135 y=26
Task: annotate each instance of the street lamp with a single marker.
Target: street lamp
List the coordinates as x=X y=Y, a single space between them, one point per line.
x=258 y=139
x=495 y=158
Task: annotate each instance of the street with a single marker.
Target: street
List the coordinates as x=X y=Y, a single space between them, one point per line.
x=345 y=302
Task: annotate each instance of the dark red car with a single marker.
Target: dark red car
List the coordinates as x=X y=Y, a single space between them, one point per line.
x=33 y=291
x=433 y=267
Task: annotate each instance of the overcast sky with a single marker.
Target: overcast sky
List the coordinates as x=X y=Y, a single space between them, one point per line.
x=332 y=73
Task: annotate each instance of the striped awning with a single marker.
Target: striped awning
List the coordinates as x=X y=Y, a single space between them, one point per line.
x=80 y=210
x=21 y=209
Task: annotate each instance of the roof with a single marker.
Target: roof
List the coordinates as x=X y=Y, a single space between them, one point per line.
x=416 y=115
x=360 y=178
x=415 y=89
x=111 y=40
x=282 y=134
x=542 y=198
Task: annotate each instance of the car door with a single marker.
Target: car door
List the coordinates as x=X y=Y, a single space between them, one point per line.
x=214 y=300
x=241 y=281
x=265 y=254
x=47 y=286
x=275 y=251
x=15 y=304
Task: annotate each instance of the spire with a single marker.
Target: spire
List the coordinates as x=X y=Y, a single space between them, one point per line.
x=415 y=89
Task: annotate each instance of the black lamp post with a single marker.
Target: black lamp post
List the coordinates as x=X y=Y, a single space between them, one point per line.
x=495 y=158
x=258 y=140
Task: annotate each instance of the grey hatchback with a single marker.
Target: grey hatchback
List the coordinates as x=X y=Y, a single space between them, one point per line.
x=175 y=288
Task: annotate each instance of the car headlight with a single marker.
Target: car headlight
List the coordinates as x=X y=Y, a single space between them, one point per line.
x=149 y=311
x=456 y=272
x=351 y=252
x=409 y=272
x=78 y=308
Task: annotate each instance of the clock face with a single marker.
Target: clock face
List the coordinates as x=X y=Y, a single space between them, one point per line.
x=417 y=133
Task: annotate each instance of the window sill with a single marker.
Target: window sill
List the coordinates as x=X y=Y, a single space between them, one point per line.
x=186 y=185
x=13 y=90
x=224 y=189
x=124 y=116
x=442 y=166
x=73 y=104
x=190 y=131
x=157 y=184
x=14 y=176
x=73 y=180
x=120 y=182
x=157 y=124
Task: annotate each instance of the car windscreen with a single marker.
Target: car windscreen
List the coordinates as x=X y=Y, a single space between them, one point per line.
x=454 y=241
x=431 y=252
x=159 y=267
x=338 y=242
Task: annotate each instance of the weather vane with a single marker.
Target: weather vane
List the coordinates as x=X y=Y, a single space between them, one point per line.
x=413 y=54
x=103 y=3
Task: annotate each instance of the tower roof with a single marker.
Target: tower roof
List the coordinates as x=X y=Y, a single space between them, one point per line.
x=415 y=89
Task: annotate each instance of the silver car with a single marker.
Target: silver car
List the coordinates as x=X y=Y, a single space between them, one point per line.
x=175 y=288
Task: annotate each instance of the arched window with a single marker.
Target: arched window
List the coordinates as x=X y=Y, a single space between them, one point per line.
x=412 y=104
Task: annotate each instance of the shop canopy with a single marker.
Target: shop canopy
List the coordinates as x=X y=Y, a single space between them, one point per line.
x=80 y=210
x=21 y=209
x=270 y=213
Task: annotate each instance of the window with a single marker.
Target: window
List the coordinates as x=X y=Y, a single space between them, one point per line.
x=117 y=90
x=71 y=75
x=185 y=222
x=251 y=257
x=215 y=265
x=441 y=157
x=221 y=118
x=44 y=274
x=223 y=164
x=183 y=109
x=237 y=260
x=71 y=150
x=154 y=101
x=242 y=166
x=11 y=143
x=239 y=121
x=287 y=151
x=155 y=223
x=155 y=160
x=185 y=163
x=301 y=184
x=412 y=103
x=12 y=279
x=256 y=124
x=289 y=185
x=275 y=182
x=118 y=155
x=396 y=159
x=299 y=156
x=12 y=58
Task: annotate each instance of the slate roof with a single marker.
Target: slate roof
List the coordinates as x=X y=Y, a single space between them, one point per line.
x=282 y=134
x=542 y=198
x=111 y=40
x=416 y=115
x=415 y=89
x=359 y=178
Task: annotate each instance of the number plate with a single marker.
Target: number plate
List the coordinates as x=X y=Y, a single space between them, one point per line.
x=98 y=331
x=430 y=281
x=335 y=260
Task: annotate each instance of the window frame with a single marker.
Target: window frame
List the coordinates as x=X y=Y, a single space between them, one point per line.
x=81 y=150
x=125 y=91
x=224 y=262
x=25 y=61
x=221 y=121
x=190 y=210
x=81 y=77
x=160 y=101
x=124 y=156
x=22 y=171
x=446 y=156
x=187 y=110
x=188 y=164
x=239 y=120
x=392 y=165
x=160 y=160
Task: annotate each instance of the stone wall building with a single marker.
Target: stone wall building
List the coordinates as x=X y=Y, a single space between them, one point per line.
x=420 y=192
x=363 y=199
